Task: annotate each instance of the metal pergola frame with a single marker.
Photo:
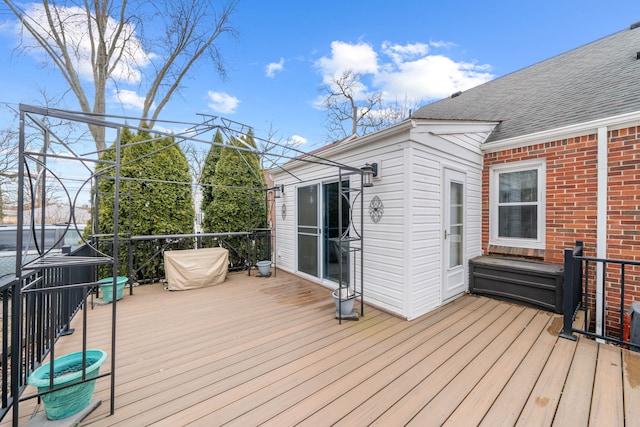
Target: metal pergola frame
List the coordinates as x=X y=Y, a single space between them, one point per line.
x=39 y=117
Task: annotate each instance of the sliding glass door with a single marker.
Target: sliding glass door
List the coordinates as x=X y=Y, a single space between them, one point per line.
x=335 y=224
x=308 y=230
x=321 y=223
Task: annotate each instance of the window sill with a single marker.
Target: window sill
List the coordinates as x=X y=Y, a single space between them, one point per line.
x=529 y=253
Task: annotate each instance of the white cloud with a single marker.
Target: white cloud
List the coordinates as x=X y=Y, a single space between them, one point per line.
x=431 y=77
x=442 y=44
x=361 y=58
x=74 y=19
x=297 y=140
x=271 y=68
x=129 y=99
x=402 y=72
x=400 y=53
x=221 y=102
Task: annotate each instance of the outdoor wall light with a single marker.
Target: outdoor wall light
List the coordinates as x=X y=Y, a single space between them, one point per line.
x=278 y=190
x=368 y=172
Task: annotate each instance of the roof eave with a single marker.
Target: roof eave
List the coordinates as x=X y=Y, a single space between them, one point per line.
x=330 y=151
x=579 y=129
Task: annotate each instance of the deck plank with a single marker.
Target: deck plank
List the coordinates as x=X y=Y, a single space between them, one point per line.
x=206 y=352
x=575 y=403
x=205 y=381
x=447 y=400
x=259 y=389
x=631 y=380
x=607 y=405
x=269 y=351
x=507 y=407
x=323 y=391
x=336 y=381
x=404 y=410
x=478 y=401
x=451 y=319
x=377 y=394
x=543 y=401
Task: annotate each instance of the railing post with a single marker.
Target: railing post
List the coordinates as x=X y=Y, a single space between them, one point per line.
x=248 y=262
x=130 y=265
x=568 y=307
x=16 y=347
x=67 y=297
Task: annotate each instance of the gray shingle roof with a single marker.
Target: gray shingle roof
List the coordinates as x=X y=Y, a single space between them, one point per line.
x=598 y=80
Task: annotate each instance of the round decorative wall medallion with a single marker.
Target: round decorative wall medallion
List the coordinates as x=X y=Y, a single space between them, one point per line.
x=376 y=209
x=283 y=211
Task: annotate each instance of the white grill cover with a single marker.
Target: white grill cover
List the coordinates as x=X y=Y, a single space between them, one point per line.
x=195 y=268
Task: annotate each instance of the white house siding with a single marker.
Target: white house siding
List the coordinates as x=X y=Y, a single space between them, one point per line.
x=285 y=230
x=436 y=148
x=384 y=272
x=402 y=252
x=425 y=230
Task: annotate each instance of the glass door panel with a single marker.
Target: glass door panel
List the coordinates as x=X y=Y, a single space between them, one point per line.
x=336 y=224
x=308 y=230
x=455 y=225
x=453 y=260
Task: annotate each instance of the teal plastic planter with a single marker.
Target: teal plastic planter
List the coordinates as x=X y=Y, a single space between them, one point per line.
x=67 y=370
x=106 y=287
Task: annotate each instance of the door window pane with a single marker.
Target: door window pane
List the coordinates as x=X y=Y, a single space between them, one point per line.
x=455 y=225
x=455 y=246
x=308 y=254
x=308 y=206
x=336 y=224
x=308 y=229
x=456 y=203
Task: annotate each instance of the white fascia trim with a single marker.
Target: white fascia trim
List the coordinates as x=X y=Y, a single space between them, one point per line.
x=619 y=121
x=330 y=153
x=406 y=125
x=453 y=127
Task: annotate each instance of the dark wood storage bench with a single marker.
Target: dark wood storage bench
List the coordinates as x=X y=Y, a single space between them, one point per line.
x=533 y=283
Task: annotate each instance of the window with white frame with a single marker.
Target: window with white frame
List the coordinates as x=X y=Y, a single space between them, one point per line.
x=517 y=205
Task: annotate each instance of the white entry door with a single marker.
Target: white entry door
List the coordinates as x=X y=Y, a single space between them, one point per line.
x=453 y=280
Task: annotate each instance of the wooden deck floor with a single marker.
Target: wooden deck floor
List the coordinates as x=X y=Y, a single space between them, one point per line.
x=268 y=351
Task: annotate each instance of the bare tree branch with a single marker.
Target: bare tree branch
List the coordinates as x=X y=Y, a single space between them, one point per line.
x=196 y=156
x=188 y=38
x=99 y=42
x=351 y=110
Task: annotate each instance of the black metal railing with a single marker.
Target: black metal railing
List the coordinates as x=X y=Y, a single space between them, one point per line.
x=580 y=294
x=37 y=309
x=8 y=288
x=142 y=257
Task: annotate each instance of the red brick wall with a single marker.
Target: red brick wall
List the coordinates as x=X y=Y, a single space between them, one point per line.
x=623 y=225
x=623 y=222
x=571 y=204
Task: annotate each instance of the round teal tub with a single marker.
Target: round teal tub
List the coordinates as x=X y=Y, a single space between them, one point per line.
x=106 y=287
x=67 y=370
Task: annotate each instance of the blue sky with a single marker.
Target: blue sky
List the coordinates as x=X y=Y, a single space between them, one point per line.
x=422 y=50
